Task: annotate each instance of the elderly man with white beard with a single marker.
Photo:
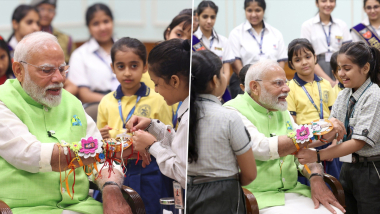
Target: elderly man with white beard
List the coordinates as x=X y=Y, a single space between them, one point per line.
x=263 y=109
x=36 y=115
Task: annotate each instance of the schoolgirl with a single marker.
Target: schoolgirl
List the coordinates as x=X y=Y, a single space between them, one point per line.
x=368 y=30
x=171 y=80
x=357 y=107
x=254 y=40
x=6 y=71
x=327 y=35
x=218 y=44
x=25 y=19
x=214 y=181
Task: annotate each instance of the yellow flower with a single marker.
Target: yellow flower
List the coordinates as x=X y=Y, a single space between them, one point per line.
x=75 y=146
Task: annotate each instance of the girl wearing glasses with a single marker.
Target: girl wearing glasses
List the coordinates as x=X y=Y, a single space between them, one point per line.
x=369 y=27
x=327 y=35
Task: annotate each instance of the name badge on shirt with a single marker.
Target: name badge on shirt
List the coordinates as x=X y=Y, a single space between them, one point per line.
x=263 y=56
x=347 y=158
x=218 y=49
x=328 y=56
x=178 y=199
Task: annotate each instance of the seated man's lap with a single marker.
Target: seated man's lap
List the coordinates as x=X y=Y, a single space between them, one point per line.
x=297 y=204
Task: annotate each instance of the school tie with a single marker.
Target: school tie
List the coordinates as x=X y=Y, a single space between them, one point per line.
x=350 y=108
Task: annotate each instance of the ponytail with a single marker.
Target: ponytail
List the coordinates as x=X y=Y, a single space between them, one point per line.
x=205 y=64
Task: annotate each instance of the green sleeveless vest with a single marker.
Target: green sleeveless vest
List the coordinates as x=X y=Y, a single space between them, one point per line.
x=28 y=192
x=274 y=177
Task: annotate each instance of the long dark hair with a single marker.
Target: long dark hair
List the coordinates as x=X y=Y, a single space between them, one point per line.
x=205 y=4
x=204 y=65
x=359 y=53
x=171 y=57
x=4 y=46
x=365 y=2
x=295 y=47
x=135 y=45
x=19 y=13
x=261 y=3
x=182 y=17
x=95 y=8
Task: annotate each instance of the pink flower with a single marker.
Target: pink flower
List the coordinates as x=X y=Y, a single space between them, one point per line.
x=89 y=145
x=303 y=133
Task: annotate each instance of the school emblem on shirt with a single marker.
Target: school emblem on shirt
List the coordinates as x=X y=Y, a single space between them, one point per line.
x=218 y=49
x=144 y=110
x=338 y=38
x=274 y=46
x=325 y=96
x=75 y=121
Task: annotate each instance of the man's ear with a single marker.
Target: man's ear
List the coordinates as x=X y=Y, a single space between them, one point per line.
x=174 y=81
x=255 y=88
x=19 y=71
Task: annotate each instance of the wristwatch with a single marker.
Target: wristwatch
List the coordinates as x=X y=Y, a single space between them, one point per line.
x=315 y=174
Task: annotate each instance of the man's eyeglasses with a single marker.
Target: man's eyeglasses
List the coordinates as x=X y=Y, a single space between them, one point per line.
x=277 y=83
x=374 y=7
x=50 y=70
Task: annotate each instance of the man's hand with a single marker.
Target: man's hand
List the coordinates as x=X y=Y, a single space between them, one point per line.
x=137 y=123
x=142 y=139
x=114 y=202
x=320 y=193
x=306 y=156
x=105 y=132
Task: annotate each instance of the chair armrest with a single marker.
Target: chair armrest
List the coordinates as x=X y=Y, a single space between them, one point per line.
x=4 y=208
x=336 y=188
x=251 y=202
x=134 y=200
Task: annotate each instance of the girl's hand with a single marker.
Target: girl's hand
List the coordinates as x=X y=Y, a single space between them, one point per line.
x=105 y=132
x=136 y=123
x=141 y=140
x=306 y=156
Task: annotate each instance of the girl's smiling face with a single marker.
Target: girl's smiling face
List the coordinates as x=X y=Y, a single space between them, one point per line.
x=351 y=74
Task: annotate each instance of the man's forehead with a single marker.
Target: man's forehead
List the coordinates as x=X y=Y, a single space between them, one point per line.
x=48 y=53
x=274 y=72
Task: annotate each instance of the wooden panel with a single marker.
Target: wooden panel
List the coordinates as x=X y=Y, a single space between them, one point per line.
x=289 y=72
x=149 y=45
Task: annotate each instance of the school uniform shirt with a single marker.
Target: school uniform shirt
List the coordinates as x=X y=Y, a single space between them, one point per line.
x=221 y=136
x=314 y=30
x=151 y=105
x=247 y=49
x=357 y=38
x=218 y=44
x=365 y=121
x=170 y=150
x=90 y=67
x=12 y=46
x=299 y=104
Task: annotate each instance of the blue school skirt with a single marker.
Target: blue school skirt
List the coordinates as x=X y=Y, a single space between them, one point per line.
x=148 y=182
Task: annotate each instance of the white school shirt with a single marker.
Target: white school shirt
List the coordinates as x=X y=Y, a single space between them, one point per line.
x=170 y=150
x=357 y=38
x=218 y=44
x=247 y=49
x=90 y=67
x=313 y=31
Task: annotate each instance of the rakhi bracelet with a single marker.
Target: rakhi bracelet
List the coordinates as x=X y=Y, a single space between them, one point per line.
x=292 y=135
x=65 y=146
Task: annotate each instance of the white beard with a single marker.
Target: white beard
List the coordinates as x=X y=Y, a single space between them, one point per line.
x=39 y=94
x=269 y=101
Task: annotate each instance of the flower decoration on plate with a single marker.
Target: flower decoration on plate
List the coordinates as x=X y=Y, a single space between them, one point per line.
x=321 y=127
x=89 y=147
x=304 y=133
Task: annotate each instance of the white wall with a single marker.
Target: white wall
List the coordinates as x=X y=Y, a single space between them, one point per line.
x=142 y=19
x=285 y=15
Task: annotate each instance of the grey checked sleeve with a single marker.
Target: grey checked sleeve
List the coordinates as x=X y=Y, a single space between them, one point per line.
x=240 y=139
